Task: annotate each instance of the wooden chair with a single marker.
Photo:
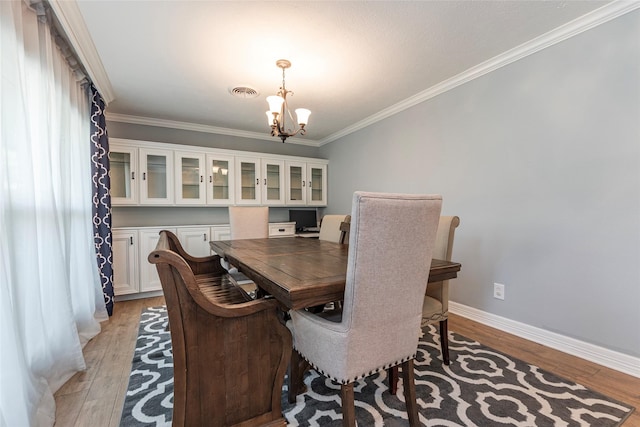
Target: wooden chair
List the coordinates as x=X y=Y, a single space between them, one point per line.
x=379 y=324
x=230 y=353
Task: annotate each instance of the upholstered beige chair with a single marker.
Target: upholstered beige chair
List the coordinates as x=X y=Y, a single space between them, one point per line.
x=390 y=247
x=246 y=222
x=435 y=307
x=330 y=228
x=249 y=222
x=436 y=301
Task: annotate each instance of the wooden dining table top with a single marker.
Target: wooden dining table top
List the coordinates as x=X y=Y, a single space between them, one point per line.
x=301 y=272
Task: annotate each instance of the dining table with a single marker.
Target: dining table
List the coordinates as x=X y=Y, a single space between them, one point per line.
x=300 y=272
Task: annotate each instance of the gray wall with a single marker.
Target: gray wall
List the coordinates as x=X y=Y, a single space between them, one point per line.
x=541 y=160
x=159 y=216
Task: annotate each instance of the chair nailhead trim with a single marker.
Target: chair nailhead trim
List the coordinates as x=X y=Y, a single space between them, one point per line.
x=347 y=381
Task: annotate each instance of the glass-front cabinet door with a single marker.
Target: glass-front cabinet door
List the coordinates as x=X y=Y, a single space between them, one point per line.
x=190 y=178
x=296 y=185
x=316 y=184
x=123 y=174
x=220 y=179
x=273 y=188
x=156 y=170
x=248 y=188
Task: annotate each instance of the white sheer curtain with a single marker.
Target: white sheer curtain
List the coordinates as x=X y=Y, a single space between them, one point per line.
x=50 y=297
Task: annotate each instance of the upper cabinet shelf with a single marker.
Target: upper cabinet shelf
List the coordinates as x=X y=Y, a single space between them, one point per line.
x=157 y=174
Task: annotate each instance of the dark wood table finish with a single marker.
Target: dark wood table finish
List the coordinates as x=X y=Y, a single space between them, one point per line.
x=302 y=272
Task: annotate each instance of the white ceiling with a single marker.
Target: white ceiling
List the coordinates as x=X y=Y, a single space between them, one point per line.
x=352 y=61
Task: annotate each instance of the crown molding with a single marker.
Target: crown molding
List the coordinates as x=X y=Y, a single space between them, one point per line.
x=602 y=356
x=173 y=124
x=593 y=19
x=74 y=27
x=586 y=22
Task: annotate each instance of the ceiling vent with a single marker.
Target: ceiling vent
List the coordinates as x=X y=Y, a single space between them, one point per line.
x=244 y=92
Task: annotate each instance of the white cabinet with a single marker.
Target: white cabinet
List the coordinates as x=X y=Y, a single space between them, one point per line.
x=190 y=186
x=248 y=181
x=149 y=279
x=316 y=184
x=221 y=178
x=125 y=262
x=158 y=174
x=296 y=173
x=273 y=182
x=260 y=181
x=195 y=240
x=306 y=183
x=156 y=180
x=220 y=232
x=123 y=173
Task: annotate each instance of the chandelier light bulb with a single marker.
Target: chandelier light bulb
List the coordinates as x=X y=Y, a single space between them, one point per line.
x=275 y=104
x=303 y=116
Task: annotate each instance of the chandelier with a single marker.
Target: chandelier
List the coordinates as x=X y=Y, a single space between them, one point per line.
x=278 y=109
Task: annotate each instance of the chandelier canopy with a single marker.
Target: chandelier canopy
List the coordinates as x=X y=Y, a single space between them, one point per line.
x=278 y=109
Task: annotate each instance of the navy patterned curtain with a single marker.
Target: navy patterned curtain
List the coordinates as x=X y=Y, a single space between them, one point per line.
x=101 y=196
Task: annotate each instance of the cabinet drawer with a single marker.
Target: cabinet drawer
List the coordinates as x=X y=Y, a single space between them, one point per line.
x=285 y=229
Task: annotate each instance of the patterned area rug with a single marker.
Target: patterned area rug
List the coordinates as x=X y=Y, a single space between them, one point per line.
x=481 y=387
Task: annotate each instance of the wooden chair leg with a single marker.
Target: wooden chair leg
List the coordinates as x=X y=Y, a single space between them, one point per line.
x=444 y=341
x=348 y=406
x=297 y=368
x=408 y=378
x=393 y=379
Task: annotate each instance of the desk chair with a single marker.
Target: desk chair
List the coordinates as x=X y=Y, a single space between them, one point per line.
x=249 y=222
x=330 y=228
x=246 y=222
x=379 y=323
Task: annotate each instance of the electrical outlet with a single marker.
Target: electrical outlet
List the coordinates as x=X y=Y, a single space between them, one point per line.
x=498 y=290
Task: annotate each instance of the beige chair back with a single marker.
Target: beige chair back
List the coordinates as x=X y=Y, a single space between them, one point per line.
x=330 y=228
x=249 y=222
x=390 y=246
x=444 y=237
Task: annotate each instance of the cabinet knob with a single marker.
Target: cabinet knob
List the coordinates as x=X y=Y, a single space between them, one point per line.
x=204 y=237
x=133 y=175
x=265 y=181
x=131 y=240
x=210 y=178
x=201 y=178
x=144 y=176
x=257 y=181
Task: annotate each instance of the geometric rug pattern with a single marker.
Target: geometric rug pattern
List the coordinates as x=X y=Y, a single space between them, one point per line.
x=481 y=387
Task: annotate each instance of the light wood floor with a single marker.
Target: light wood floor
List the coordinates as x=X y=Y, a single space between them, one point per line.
x=95 y=397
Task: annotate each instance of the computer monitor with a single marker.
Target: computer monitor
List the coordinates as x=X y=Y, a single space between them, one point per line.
x=304 y=218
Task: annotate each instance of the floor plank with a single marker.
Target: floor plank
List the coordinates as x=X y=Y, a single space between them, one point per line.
x=95 y=397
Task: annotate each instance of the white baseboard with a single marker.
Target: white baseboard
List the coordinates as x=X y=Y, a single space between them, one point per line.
x=600 y=355
x=141 y=295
